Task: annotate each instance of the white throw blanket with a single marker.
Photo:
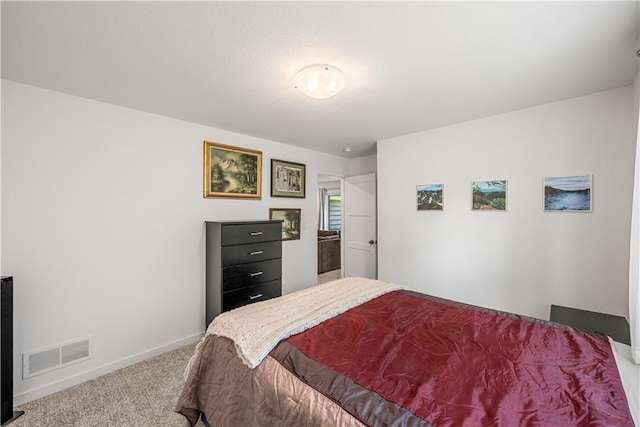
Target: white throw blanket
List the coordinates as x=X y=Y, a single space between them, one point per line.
x=257 y=328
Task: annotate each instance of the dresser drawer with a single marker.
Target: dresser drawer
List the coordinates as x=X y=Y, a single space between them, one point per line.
x=250 y=294
x=239 y=276
x=252 y=252
x=239 y=234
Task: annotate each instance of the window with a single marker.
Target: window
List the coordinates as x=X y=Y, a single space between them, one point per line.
x=334 y=204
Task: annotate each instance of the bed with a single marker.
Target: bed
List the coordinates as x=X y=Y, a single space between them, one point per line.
x=360 y=352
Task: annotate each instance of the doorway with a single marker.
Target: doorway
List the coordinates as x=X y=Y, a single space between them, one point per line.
x=329 y=228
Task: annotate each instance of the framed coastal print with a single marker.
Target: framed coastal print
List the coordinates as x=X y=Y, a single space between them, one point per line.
x=287 y=179
x=489 y=195
x=430 y=197
x=290 y=222
x=232 y=172
x=568 y=193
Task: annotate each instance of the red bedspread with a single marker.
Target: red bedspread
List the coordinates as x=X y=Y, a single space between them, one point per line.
x=410 y=359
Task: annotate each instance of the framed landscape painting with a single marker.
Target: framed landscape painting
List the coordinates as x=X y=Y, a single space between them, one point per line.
x=429 y=197
x=489 y=195
x=287 y=179
x=232 y=172
x=290 y=222
x=568 y=193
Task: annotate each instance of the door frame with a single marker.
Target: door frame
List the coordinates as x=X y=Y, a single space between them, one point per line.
x=318 y=185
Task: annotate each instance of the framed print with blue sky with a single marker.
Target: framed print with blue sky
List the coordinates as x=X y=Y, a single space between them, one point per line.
x=568 y=193
x=430 y=197
x=489 y=195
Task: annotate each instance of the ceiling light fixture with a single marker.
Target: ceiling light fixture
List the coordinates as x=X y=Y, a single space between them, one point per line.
x=320 y=81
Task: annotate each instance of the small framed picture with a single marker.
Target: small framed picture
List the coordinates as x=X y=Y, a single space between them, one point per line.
x=232 y=172
x=568 y=193
x=290 y=222
x=430 y=197
x=287 y=179
x=489 y=195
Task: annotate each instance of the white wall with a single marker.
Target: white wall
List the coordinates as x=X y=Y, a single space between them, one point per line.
x=363 y=165
x=0 y=150
x=521 y=260
x=636 y=96
x=634 y=262
x=102 y=227
x=329 y=185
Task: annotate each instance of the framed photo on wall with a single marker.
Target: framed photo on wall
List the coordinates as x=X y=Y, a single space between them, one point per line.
x=489 y=195
x=430 y=197
x=290 y=222
x=288 y=179
x=232 y=172
x=568 y=193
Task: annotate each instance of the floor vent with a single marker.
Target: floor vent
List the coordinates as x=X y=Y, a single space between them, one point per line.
x=56 y=357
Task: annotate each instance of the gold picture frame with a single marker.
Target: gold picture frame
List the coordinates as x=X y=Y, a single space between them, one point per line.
x=232 y=172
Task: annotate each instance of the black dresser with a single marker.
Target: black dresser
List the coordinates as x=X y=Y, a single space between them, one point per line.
x=244 y=264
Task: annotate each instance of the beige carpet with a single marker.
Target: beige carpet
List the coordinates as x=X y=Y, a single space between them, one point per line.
x=143 y=394
x=329 y=276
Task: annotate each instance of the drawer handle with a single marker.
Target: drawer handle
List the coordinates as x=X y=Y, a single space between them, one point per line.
x=255 y=296
x=257 y=273
x=255 y=253
x=255 y=233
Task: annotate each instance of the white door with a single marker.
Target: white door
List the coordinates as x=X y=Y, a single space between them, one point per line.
x=360 y=227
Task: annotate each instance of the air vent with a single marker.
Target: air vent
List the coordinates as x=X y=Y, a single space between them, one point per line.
x=56 y=357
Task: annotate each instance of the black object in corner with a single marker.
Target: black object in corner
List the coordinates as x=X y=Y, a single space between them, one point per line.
x=7 y=414
x=613 y=326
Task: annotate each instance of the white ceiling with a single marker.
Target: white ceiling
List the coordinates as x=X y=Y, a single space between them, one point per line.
x=410 y=66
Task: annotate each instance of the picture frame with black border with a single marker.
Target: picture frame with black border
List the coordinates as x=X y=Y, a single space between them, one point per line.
x=290 y=218
x=288 y=179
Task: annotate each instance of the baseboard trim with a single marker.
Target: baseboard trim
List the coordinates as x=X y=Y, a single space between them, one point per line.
x=56 y=386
